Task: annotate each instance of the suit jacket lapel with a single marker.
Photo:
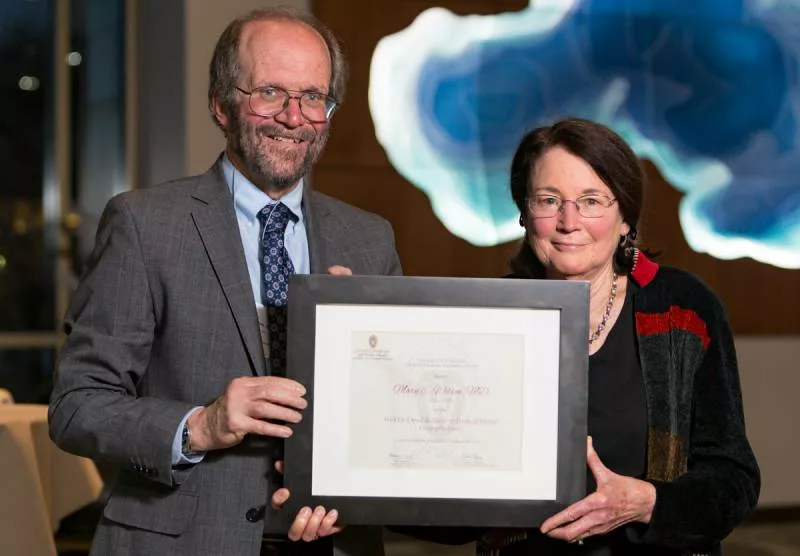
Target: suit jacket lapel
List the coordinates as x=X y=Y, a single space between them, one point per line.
x=320 y=230
x=215 y=219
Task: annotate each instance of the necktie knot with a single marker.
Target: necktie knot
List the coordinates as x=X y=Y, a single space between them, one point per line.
x=275 y=217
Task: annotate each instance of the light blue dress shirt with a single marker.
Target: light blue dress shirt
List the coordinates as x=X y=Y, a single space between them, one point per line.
x=248 y=200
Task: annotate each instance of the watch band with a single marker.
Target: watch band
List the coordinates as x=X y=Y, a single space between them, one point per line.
x=186 y=441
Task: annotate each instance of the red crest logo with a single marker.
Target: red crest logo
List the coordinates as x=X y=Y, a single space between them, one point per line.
x=373 y=341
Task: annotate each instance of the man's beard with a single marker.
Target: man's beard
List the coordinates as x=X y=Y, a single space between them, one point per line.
x=276 y=170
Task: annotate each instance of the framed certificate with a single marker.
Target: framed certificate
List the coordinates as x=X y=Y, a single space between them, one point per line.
x=438 y=401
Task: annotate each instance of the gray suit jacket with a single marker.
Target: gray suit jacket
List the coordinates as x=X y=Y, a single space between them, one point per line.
x=163 y=319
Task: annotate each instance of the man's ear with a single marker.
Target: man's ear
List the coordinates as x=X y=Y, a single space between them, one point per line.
x=219 y=114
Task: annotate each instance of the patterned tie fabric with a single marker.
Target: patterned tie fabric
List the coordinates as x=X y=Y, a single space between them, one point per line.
x=276 y=266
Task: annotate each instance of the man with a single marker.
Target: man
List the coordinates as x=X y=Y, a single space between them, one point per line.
x=171 y=367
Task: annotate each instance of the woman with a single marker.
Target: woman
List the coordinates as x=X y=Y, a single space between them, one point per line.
x=670 y=469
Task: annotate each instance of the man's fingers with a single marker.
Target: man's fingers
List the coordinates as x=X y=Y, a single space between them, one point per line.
x=279 y=466
x=311 y=532
x=339 y=270
x=299 y=524
x=284 y=394
x=333 y=530
x=282 y=398
x=328 y=525
x=265 y=428
x=245 y=424
x=273 y=412
x=279 y=498
x=256 y=382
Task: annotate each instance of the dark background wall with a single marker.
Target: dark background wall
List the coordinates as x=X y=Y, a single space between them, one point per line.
x=760 y=299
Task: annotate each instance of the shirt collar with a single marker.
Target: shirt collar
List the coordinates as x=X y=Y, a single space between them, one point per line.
x=249 y=199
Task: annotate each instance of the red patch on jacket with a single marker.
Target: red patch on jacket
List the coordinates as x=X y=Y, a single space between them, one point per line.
x=676 y=318
x=644 y=270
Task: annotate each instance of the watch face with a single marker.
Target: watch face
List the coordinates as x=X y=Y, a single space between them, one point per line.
x=185 y=440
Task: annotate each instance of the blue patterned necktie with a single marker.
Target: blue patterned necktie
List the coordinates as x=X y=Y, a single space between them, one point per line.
x=276 y=266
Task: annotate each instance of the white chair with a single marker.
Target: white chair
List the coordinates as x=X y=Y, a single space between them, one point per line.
x=6 y=397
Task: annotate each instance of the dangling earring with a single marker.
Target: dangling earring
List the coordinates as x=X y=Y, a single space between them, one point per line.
x=521 y=221
x=624 y=249
x=626 y=244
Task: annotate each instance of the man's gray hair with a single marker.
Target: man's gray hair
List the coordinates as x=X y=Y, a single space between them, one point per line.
x=224 y=68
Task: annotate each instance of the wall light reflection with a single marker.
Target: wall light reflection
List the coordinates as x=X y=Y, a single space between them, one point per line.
x=28 y=83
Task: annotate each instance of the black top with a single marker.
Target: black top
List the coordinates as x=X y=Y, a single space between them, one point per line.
x=617 y=423
x=617 y=409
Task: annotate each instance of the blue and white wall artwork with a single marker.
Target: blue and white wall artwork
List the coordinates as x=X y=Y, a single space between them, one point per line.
x=707 y=90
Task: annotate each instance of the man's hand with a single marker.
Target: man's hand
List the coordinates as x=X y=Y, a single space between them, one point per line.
x=339 y=270
x=248 y=406
x=308 y=525
x=617 y=500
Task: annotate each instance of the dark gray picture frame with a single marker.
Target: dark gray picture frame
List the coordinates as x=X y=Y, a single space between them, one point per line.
x=568 y=297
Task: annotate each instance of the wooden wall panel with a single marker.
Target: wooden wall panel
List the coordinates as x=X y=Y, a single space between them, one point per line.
x=425 y=246
x=760 y=299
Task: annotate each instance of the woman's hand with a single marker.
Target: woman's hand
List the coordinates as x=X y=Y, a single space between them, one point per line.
x=308 y=525
x=617 y=500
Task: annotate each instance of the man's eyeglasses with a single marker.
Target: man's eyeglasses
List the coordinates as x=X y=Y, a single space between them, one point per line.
x=589 y=206
x=269 y=101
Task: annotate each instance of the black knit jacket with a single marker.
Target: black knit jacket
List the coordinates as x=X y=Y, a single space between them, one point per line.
x=698 y=457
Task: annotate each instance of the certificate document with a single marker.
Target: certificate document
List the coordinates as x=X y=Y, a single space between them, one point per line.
x=436 y=401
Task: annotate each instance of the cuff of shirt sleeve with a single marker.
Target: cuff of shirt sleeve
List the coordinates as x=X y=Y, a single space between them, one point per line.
x=178 y=457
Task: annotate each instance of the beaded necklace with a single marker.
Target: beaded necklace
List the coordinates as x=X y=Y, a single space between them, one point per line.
x=607 y=313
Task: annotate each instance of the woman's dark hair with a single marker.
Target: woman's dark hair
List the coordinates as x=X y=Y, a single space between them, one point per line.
x=611 y=159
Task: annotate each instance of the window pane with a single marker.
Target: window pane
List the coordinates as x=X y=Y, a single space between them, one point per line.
x=27 y=374
x=97 y=59
x=26 y=89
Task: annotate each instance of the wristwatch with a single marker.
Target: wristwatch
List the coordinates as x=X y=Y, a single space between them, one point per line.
x=186 y=448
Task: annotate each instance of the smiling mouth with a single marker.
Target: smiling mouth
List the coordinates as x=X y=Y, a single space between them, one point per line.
x=284 y=139
x=567 y=245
